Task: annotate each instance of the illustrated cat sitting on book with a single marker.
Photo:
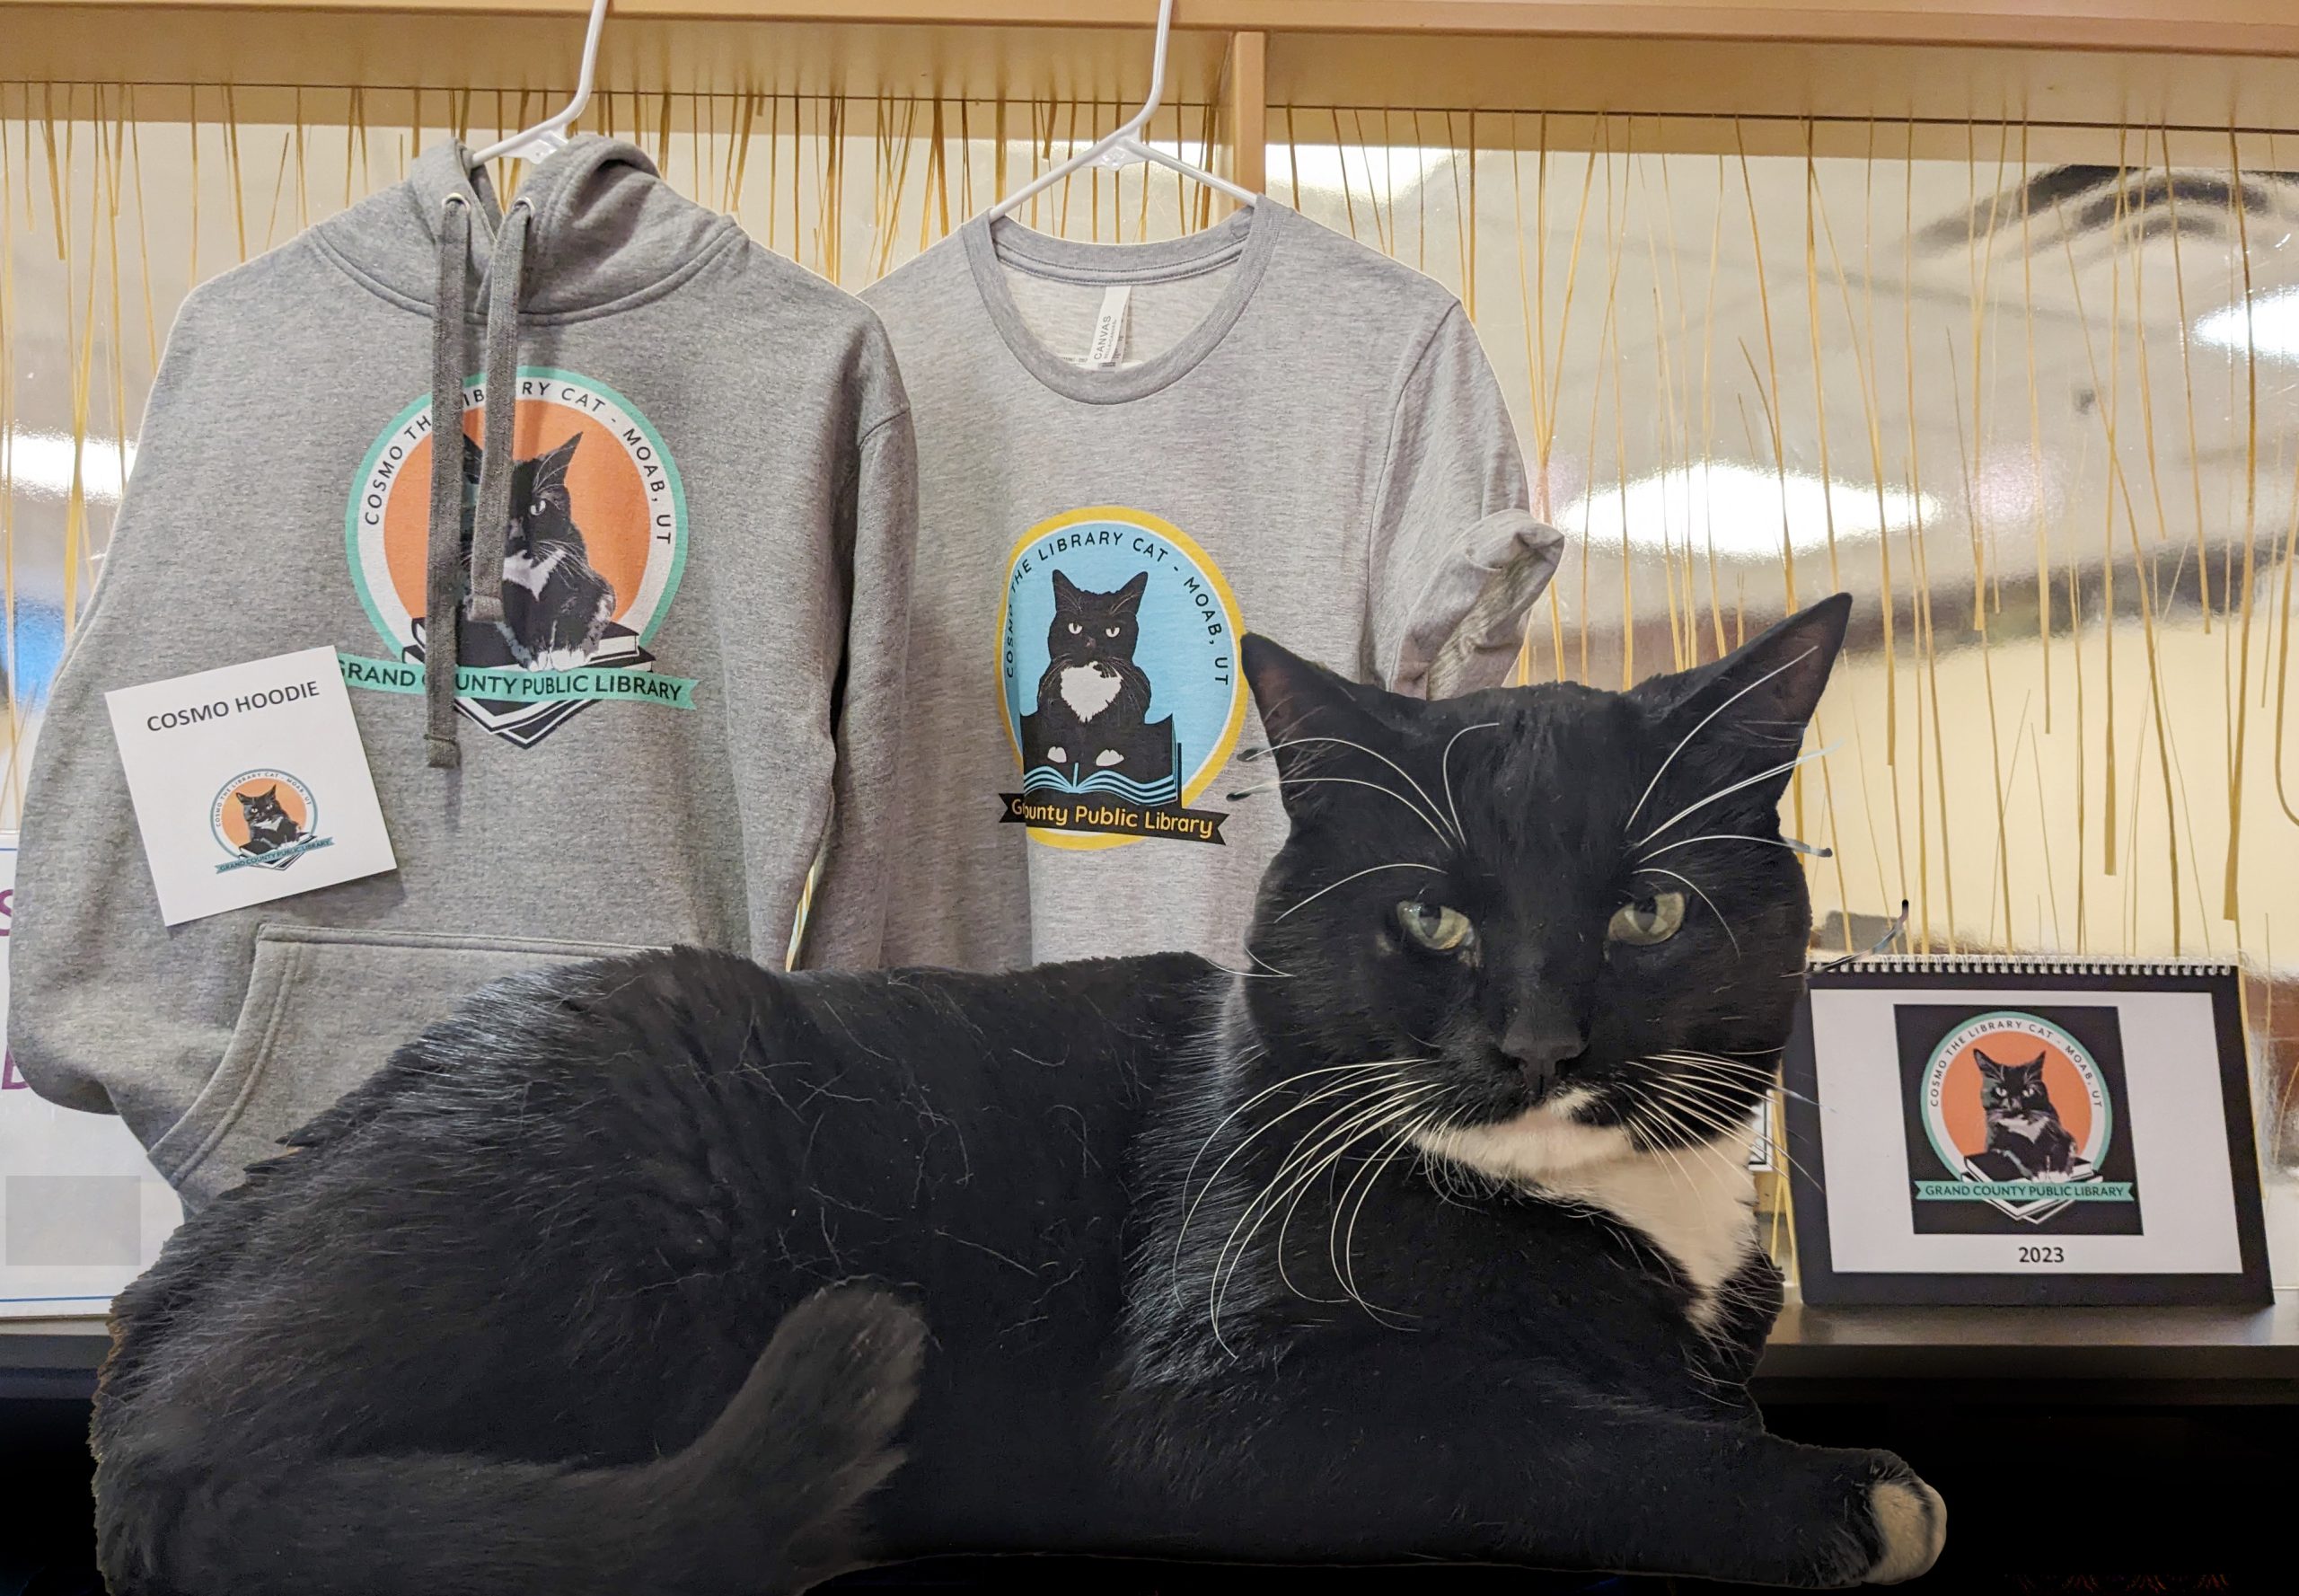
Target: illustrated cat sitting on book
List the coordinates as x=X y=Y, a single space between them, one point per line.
x=2025 y=1138
x=1091 y=730
x=556 y=607
x=270 y=827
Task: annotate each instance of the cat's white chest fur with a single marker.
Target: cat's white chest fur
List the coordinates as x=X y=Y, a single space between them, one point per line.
x=523 y=570
x=1698 y=1206
x=1088 y=689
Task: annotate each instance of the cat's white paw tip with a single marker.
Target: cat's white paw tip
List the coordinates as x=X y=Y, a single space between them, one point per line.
x=1108 y=757
x=1058 y=755
x=1912 y=1522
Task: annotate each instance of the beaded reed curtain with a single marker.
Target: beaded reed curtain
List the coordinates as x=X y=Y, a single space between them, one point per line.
x=2016 y=406
x=115 y=202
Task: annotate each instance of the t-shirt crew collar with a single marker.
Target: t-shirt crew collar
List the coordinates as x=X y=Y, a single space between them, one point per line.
x=1244 y=242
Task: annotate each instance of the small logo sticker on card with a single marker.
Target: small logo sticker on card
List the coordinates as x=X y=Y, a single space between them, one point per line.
x=250 y=783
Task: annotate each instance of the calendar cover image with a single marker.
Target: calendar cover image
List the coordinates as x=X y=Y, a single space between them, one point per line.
x=2018 y=1120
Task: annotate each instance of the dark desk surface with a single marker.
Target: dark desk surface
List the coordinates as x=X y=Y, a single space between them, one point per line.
x=2177 y=1355
x=2181 y=1355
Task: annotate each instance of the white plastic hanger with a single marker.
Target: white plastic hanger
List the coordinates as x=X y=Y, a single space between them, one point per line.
x=1122 y=146
x=546 y=132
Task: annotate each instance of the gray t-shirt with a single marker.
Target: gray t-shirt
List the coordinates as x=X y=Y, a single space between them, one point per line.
x=1129 y=455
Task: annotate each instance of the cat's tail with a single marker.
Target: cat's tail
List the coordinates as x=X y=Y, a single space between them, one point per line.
x=765 y=1501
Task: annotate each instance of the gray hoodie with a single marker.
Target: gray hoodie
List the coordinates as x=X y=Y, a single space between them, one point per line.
x=702 y=496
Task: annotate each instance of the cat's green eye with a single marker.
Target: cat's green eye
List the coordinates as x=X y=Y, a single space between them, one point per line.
x=1648 y=921
x=1434 y=927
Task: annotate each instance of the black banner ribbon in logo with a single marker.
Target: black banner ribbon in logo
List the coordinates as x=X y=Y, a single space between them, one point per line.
x=1065 y=812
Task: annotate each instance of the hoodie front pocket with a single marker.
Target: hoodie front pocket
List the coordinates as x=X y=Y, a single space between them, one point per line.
x=324 y=1009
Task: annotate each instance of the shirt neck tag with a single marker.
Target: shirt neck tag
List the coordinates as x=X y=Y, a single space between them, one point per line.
x=250 y=783
x=1109 y=328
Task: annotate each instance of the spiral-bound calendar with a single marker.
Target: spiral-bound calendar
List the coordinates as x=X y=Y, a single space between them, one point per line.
x=1990 y=1130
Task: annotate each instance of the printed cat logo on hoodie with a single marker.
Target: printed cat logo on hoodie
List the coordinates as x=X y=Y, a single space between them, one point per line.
x=592 y=557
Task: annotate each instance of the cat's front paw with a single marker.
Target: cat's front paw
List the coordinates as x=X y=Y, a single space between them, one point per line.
x=1910 y=1522
x=1108 y=757
x=1057 y=756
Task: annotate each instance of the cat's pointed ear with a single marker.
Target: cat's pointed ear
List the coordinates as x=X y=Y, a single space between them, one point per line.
x=1127 y=599
x=1319 y=732
x=1065 y=592
x=1745 y=715
x=550 y=467
x=1772 y=683
x=1988 y=1066
x=474 y=457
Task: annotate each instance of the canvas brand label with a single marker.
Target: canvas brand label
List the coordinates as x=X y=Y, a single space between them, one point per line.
x=1109 y=328
x=250 y=783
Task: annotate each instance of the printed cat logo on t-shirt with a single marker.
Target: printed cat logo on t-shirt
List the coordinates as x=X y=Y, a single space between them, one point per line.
x=1118 y=650
x=592 y=557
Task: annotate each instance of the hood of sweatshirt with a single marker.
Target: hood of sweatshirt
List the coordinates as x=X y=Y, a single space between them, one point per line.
x=593 y=228
x=603 y=227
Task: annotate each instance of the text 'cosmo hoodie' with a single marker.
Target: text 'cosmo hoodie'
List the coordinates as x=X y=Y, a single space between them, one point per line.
x=691 y=463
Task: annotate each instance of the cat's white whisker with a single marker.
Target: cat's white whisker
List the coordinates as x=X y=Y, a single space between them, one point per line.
x=1696 y=730
x=1735 y=1071
x=1385 y=759
x=1360 y=1105
x=1344 y=1268
x=1299 y=1170
x=1366 y=1099
x=1746 y=781
x=1444 y=769
x=1304 y=1156
x=1350 y=781
x=1723 y=1123
x=1397 y=1115
x=1690 y=1112
x=1345 y=880
x=1300 y=1189
x=1291 y=1193
x=1662 y=1148
x=1684 y=1086
x=1718 y=837
x=1358 y=1076
x=1712 y=909
x=1269 y=973
x=1269 y=1091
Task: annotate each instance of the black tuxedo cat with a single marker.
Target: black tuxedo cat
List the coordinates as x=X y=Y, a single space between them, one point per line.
x=1093 y=701
x=2025 y=1138
x=1429 y=1237
x=270 y=827
x=555 y=606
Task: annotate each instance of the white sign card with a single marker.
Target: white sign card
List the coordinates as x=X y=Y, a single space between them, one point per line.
x=250 y=783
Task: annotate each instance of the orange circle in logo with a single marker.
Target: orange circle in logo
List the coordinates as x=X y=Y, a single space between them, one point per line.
x=1965 y=1115
x=232 y=820
x=607 y=495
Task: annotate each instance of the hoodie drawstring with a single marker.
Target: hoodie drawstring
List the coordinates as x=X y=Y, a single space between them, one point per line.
x=442 y=571
x=491 y=517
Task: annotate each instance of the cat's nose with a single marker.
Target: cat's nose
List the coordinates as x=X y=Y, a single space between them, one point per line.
x=1543 y=1046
